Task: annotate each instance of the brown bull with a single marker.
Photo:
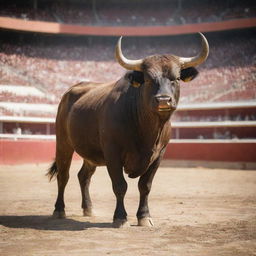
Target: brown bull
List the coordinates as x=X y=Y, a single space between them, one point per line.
x=123 y=125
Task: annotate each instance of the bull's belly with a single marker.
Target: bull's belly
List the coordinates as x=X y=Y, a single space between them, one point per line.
x=88 y=148
x=84 y=136
x=134 y=164
x=91 y=155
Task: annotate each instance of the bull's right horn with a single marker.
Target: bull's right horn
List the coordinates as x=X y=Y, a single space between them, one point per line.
x=124 y=62
x=196 y=60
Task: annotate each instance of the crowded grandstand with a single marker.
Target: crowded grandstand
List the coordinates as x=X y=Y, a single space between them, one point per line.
x=133 y=13
x=53 y=64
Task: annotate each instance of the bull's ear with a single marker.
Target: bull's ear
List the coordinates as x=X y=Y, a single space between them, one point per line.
x=136 y=78
x=188 y=74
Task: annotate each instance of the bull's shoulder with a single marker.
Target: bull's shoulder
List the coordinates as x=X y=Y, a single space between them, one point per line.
x=85 y=93
x=81 y=88
x=76 y=91
x=73 y=94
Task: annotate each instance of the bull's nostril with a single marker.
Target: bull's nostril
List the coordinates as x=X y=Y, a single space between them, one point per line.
x=165 y=102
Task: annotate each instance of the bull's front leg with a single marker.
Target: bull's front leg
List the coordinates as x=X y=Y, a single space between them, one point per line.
x=144 y=185
x=115 y=170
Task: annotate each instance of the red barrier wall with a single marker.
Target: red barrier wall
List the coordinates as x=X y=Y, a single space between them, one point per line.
x=225 y=152
x=21 y=151
x=57 y=28
x=37 y=151
x=27 y=151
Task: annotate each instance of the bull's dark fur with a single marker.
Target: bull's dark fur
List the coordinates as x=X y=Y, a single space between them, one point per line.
x=123 y=125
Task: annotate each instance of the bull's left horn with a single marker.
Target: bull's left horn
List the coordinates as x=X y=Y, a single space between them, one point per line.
x=196 y=60
x=124 y=62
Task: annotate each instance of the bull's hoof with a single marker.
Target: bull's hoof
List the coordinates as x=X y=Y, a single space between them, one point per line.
x=59 y=215
x=88 y=213
x=145 y=222
x=120 y=223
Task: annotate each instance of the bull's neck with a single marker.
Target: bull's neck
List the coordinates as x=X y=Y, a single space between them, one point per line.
x=147 y=125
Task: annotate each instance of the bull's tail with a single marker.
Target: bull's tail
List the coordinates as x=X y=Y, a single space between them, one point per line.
x=52 y=171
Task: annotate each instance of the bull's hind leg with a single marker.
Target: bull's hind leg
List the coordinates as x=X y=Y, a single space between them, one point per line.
x=145 y=182
x=63 y=161
x=84 y=177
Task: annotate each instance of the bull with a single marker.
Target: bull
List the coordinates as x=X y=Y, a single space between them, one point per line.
x=123 y=125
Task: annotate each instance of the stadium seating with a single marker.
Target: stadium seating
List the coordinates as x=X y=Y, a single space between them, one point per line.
x=129 y=12
x=53 y=64
x=229 y=74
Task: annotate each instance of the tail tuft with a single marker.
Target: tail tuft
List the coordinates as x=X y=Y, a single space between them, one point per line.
x=52 y=171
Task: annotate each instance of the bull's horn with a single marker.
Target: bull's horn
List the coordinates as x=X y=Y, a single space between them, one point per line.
x=196 y=60
x=128 y=64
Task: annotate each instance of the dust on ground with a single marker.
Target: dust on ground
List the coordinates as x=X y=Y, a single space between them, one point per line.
x=196 y=211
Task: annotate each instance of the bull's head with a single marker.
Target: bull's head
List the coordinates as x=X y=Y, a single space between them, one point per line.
x=160 y=75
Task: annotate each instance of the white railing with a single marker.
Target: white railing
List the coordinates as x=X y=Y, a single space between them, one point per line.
x=26 y=119
x=178 y=125
x=53 y=137
x=200 y=124
x=27 y=136
x=217 y=105
x=234 y=141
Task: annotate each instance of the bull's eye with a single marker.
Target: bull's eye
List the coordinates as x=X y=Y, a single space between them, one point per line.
x=178 y=79
x=148 y=81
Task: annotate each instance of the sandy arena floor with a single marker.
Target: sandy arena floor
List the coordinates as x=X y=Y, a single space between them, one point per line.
x=196 y=211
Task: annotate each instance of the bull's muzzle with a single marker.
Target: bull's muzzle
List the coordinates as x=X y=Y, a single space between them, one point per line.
x=165 y=103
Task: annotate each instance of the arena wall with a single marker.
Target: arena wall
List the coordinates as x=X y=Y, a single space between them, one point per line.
x=27 y=151
x=20 y=152
x=38 y=151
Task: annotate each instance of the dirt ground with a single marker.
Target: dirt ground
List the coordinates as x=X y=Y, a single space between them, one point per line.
x=196 y=211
